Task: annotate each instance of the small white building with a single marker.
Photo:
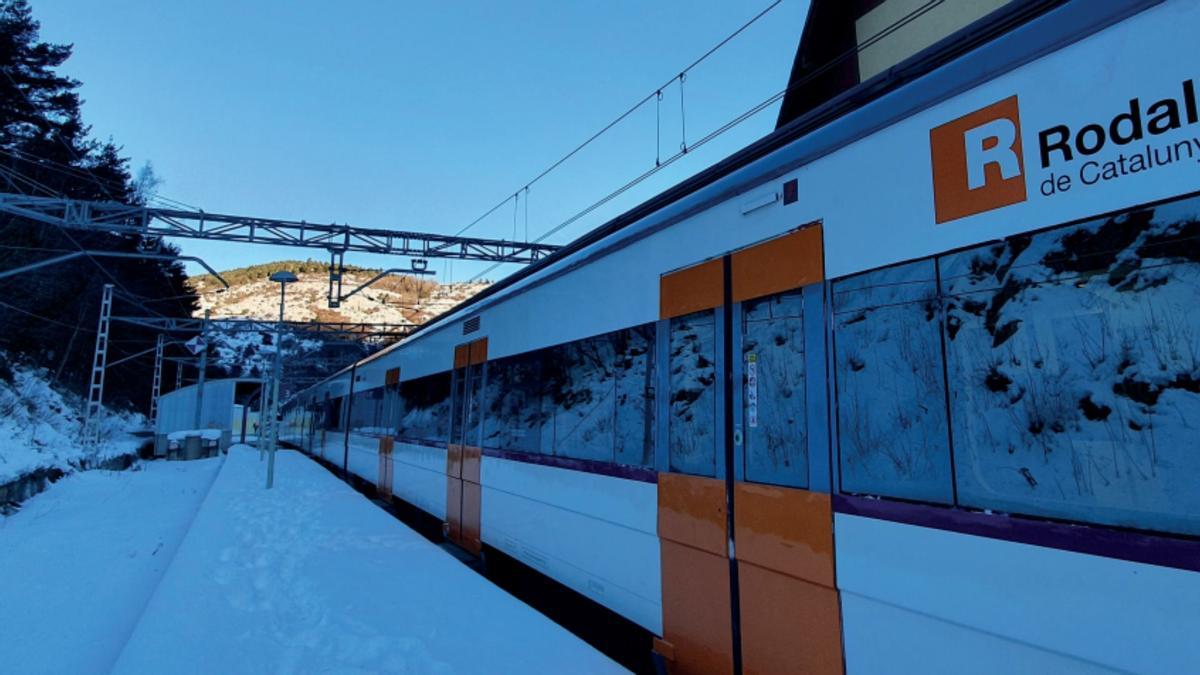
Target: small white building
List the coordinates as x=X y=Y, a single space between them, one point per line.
x=225 y=406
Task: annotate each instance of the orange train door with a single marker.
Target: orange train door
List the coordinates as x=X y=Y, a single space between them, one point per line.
x=463 y=456
x=745 y=521
x=391 y=396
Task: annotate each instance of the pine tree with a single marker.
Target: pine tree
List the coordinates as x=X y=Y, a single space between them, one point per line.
x=49 y=315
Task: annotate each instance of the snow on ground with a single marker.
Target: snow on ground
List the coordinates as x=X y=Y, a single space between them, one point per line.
x=39 y=427
x=206 y=434
x=79 y=562
x=312 y=577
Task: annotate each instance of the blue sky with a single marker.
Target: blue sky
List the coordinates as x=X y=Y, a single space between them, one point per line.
x=411 y=115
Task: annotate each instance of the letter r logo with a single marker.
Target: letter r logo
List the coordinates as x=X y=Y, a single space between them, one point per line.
x=992 y=143
x=977 y=162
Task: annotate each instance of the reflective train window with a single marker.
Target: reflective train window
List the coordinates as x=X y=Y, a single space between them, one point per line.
x=1071 y=374
x=633 y=364
x=366 y=412
x=776 y=443
x=590 y=399
x=333 y=416
x=512 y=415
x=457 y=405
x=393 y=406
x=474 y=409
x=1074 y=359
x=890 y=387
x=424 y=410
x=692 y=419
x=581 y=398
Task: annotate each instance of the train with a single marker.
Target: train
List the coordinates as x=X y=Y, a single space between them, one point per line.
x=910 y=385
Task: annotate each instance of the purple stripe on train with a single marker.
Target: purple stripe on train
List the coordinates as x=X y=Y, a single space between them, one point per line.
x=1138 y=547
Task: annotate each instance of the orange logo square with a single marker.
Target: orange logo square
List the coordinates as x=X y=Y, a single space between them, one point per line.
x=977 y=162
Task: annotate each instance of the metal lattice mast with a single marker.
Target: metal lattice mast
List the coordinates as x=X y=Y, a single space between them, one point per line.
x=94 y=410
x=156 y=388
x=178 y=376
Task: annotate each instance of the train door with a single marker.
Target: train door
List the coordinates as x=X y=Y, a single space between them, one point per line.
x=464 y=455
x=385 y=417
x=745 y=520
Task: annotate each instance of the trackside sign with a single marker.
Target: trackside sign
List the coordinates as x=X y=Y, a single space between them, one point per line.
x=979 y=165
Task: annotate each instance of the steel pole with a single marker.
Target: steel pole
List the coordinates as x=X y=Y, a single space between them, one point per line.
x=203 y=368
x=275 y=388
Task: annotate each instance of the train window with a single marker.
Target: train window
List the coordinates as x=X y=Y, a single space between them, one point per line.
x=634 y=368
x=591 y=399
x=366 y=411
x=424 y=409
x=392 y=407
x=513 y=403
x=890 y=385
x=333 y=416
x=776 y=444
x=457 y=405
x=692 y=422
x=474 y=409
x=1074 y=362
x=581 y=398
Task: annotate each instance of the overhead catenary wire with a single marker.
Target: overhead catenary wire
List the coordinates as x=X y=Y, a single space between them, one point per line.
x=44 y=318
x=13 y=176
x=78 y=246
x=131 y=297
x=76 y=172
x=724 y=128
x=620 y=118
x=63 y=324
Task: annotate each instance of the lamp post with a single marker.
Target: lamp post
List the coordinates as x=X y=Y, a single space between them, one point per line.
x=283 y=278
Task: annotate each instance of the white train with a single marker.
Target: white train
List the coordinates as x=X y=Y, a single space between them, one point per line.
x=910 y=385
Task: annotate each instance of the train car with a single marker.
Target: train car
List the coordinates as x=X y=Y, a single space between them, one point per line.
x=910 y=385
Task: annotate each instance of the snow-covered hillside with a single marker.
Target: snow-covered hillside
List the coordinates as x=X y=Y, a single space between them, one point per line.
x=395 y=299
x=40 y=426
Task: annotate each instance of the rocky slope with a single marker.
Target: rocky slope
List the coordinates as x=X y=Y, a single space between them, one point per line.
x=395 y=299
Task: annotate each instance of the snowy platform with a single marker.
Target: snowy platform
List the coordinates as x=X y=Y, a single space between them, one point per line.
x=79 y=562
x=312 y=577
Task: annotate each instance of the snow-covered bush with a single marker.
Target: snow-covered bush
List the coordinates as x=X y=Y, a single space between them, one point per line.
x=40 y=426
